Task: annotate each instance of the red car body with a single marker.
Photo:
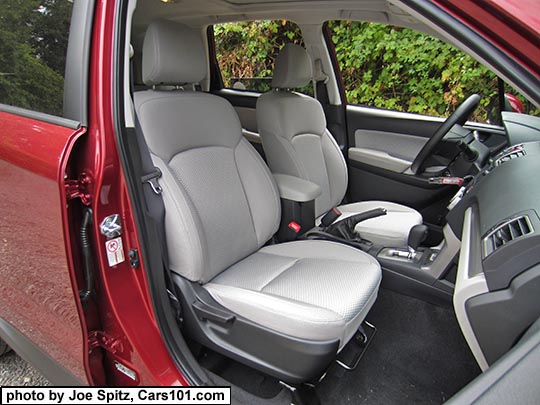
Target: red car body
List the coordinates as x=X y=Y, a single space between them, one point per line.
x=38 y=229
x=38 y=239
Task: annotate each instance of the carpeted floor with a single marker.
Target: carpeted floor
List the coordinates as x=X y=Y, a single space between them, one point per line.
x=417 y=356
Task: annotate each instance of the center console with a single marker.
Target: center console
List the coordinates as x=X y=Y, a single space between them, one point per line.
x=421 y=273
x=297 y=205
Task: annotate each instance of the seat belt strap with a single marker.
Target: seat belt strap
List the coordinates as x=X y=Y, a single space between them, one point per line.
x=149 y=175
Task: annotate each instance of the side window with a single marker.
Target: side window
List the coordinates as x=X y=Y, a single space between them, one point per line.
x=246 y=52
x=33 y=46
x=400 y=69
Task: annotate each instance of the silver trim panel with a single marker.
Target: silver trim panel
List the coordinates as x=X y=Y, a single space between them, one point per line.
x=468 y=286
x=251 y=136
x=448 y=249
x=379 y=159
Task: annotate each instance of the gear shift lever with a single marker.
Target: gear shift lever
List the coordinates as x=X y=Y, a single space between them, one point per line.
x=417 y=235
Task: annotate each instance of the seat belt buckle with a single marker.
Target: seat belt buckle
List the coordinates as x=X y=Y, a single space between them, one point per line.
x=329 y=218
x=152 y=179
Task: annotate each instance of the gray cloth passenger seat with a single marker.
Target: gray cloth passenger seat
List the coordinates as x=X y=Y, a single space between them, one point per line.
x=222 y=207
x=296 y=142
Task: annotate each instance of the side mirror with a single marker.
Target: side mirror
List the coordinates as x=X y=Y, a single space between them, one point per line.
x=512 y=103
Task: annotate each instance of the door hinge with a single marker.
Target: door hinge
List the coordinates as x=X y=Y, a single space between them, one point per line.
x=79 y=188
x=107 y=342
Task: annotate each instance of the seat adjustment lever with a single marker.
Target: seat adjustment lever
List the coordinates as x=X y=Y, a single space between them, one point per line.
x=205 y=311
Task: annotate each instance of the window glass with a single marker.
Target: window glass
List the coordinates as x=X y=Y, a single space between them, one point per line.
x=400 y=69
x=246 y=52
x=33 y=46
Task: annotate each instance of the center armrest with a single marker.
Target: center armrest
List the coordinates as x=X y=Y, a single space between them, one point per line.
x=296 y=189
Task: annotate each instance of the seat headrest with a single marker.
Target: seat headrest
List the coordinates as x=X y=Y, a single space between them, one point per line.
x=292 y=68
x=172 y=54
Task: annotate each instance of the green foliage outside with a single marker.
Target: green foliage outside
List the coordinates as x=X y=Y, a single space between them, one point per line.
x=382 y=66
x=405 y=70
x=246 y=51
x=33 y=43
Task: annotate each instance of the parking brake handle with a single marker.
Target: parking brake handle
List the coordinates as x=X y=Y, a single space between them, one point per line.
x=345 y=227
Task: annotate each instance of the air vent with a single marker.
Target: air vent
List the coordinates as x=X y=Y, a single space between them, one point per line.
x=509 y=154
x=506 y=233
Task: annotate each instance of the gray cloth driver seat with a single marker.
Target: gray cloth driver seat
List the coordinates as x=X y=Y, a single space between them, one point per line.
x=222 y=207
x=296 y=142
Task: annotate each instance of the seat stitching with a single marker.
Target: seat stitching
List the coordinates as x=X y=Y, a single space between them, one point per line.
x=365 y=255
x=289 y=266
x=268 y=178
x=245 y=196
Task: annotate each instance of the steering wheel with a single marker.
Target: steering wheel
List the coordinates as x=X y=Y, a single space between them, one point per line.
x=460 y=116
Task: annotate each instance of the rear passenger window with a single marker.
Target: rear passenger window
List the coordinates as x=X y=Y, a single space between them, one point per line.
x=246 y=52
x=33 y=46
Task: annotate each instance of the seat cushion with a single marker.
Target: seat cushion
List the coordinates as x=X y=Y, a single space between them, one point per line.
x=314 y=290
x=390 y=230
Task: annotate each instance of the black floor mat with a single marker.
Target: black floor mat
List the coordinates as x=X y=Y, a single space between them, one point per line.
x=417 y=356
x=248 y=379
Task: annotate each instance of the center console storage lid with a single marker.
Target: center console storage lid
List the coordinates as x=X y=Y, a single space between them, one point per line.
x=296 y=189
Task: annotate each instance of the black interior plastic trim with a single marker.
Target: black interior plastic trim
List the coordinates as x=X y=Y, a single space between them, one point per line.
x=500 y=318
x=439 y=293
x=412 y=180
x=216 y=79
x=208 y=312
x=512 y=259
x=327 y=36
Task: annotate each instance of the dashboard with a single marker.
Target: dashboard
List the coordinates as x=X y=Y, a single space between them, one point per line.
x=496 y=295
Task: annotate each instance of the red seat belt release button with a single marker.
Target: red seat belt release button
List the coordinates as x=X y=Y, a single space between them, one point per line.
x=294 y=226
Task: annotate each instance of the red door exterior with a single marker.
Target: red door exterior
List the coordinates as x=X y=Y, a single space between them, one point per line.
x=512 y=25
x=36 y=294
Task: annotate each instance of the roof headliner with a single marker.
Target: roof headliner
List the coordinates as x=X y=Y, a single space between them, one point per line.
x=308 y=14
x=202 y=13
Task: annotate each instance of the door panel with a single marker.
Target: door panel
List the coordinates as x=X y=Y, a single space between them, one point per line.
x=382 y=142
x=37 y=296
x=382 y=145
x=396 y=144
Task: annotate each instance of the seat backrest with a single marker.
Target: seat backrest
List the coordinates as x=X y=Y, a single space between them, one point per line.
x=293 y=130
x=220 y=198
